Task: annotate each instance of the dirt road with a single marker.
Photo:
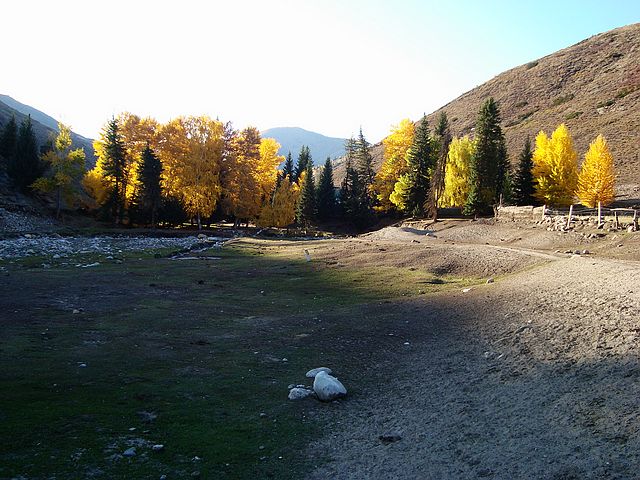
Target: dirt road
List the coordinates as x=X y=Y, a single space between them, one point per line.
x=534 y=376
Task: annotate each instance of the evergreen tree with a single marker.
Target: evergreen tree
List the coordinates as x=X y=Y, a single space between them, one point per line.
x=8 y=141
x=287 y=170
x=420 y=162
x=474 y=203
x=364 y=162
x=326 y=195
x=149 y=191
x=354 y=194
x=304 y=160
x=306 y=210
x=114 y=168
x=491 y=163
x=523 y=185
x=25 y=167
x=441 y=142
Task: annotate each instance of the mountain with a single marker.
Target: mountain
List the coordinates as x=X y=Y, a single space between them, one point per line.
x=44 y=126
x=593 y=87
x=291 y=139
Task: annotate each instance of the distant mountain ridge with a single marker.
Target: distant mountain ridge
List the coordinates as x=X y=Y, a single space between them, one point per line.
x=291 y=139
x=44 y=126
x=592 y=86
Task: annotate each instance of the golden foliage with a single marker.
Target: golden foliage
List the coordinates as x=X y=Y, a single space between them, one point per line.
x=190 y=149
x=555 y=168
x=596 y=181
x=394 y=166
x=267 y=167
x=456 y=178
x=280 y=212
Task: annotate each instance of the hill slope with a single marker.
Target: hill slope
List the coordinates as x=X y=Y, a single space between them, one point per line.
x=593 y=87
x=44 y=125
x=292 y=138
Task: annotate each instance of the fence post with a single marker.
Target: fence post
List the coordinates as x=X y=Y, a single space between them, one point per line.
x=599 y=213
x=544 y=207
x=570 y=215
x=635 y=220
x=615 y=219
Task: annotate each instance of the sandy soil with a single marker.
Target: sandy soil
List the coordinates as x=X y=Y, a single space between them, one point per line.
x=534 y=376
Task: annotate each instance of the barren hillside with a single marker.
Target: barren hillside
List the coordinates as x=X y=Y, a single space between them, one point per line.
x=593 y=87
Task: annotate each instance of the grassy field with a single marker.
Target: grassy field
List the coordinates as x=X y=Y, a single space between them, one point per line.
x=195 y=355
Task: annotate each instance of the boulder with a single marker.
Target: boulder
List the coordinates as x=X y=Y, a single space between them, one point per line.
x=297 y=393
x=314 y=371
x=328 y=388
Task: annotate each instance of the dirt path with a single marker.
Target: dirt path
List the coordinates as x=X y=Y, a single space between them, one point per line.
x=534 y=376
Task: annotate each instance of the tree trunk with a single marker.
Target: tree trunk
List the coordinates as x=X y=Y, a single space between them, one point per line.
x=199 y=222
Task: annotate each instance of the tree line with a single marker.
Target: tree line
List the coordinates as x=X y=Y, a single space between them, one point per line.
x=421 y=172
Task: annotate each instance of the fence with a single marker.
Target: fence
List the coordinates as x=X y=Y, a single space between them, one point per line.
x=566 y=218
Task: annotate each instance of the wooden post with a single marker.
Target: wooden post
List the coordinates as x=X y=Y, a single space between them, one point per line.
x=570 y=215
x=544 y=207
x=599 y=213
x=615 y=219
x=635 y=220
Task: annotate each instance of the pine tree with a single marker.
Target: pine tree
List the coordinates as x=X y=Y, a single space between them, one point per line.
x=442 y=141
x=326 y=195
x=474 y=203
x=149 y=192
x=414 y=187
x=523 y=186
x=8 y=141
x=306 y=210
x=364 y=162
x=65 y=168
x=491 y=163
x=113 y=167
x=287 y=170
x=25 y=167
x=304 y=160
x=354 y=194
x=596 y=181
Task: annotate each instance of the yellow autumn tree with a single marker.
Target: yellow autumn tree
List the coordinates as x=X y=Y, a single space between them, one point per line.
x=394 y=166
x=242 y=191
x=191 y=152
x=266 y=171
x=280 y=212
x=456 y=177
x=596 y=181
x=555 y=168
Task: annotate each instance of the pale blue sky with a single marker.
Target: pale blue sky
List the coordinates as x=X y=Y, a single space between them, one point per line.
x=324 y=65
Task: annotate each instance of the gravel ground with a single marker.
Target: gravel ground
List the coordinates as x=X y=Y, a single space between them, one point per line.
x=534 y=376
x=30 y=245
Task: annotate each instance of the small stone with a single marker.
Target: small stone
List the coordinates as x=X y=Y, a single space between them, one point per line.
x=388 y=438
x=82 y=365
x=490 y=280
x=585 y=252
x=129 y=452
x=132 y=429
x=56 y=256
x=466 y=290
x=195 y=474
x=299 y=393
x=285 y=359
x=314 y=371
x=158 y=447
x=406 y=343
x=76 y=311
x=264 y=415
x=163 y=477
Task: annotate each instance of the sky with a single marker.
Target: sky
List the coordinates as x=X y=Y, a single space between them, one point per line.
x=330 y=66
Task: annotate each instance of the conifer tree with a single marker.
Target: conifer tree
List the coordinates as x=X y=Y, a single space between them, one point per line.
x=364 y=163
x=326 y=195
x=25 y=167
x=490 y=164
x=304 y=160
x=306 y=210
x=523 y=186
x=442 y=141
x=149 y=191
x=354 y=194
x=596 y=180
x=65 y=168
x=8 y=141
x=113 y=163
x=412 y=188
x=287 y=170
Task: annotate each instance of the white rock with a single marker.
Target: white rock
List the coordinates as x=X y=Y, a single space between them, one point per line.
x=314 y=371
x=299 y=393
x=157 y=447
x=328 y=388
x=129 y=452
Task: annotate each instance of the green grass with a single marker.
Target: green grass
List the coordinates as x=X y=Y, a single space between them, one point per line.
x=199 y=343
